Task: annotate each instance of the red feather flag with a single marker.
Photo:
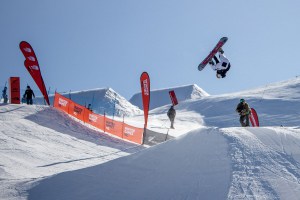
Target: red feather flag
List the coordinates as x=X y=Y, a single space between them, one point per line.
x=173 y=97
x=254 y=118
x=32 y=65
x=145 y=87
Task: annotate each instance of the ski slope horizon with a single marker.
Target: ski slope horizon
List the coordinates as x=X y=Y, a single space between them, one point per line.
x=45 y=154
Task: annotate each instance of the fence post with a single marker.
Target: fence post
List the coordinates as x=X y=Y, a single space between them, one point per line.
x=123 y=128
x=144 y=135
x=104 y=123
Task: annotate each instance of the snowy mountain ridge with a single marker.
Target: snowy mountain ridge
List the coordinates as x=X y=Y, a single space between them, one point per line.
x=288 y=89
x=102 y=100
x=160 y=97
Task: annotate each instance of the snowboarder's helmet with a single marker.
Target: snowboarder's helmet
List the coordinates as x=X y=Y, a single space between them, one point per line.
x=28 y=86
x=242 y=100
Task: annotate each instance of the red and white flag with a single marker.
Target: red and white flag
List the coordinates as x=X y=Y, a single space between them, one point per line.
x=32 y=65
x=173 y=97
x=254 y=118
x=145 y=87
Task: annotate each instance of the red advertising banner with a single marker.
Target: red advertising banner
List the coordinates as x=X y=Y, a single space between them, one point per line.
x=110 y=126
x=133 y=134
x=145 y=87
x=254 y=118
x=77 y=110
x=14 y=91
x=173 y=97
x=94 y=119
x=32 y=65
x=113 y=127
x=61 y=102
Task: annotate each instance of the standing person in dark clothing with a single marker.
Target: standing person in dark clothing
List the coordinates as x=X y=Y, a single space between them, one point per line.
x=171 y=114
x=4 y=95
x=244 y=111
x=28 y=95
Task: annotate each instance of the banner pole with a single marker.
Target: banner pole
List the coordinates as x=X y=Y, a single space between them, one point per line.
x=144 y=135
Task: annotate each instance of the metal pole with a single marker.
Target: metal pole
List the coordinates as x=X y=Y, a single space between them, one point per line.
x=92 y=101
x=167 y=134
x=144 y=134
x=114 y=105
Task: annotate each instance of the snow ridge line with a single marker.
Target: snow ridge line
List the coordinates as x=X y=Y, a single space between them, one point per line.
x=246 y=171
x=256 y=167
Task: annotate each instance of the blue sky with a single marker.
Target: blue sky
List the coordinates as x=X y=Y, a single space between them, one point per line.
x=83 y=45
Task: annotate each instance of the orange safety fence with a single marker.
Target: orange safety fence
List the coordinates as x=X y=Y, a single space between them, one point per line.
x=119 y=129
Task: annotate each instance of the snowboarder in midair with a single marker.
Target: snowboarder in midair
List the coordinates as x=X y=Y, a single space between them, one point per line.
x=171 y=114
x=244 y=111
x=221 y=64
x=28 y=95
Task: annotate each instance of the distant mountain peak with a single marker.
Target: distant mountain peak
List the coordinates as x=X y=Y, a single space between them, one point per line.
x=160 y=97
x=102 y=100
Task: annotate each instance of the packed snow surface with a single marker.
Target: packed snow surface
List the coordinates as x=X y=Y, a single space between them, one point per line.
x=45 y=154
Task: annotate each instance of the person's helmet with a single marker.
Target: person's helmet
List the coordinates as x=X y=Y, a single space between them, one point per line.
x=242 y=100
x=28 y=86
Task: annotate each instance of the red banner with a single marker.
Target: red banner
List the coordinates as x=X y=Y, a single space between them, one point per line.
x=132 y=133
x=173 y=97
x=14 y=90
x=145 y=86
x=32 y=65
x=76 y=110
x=61 y=102
x=254 y=118
x=94 y=119
x=116 y=128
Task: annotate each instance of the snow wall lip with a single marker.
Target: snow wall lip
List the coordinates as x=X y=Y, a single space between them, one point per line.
x=188 y=167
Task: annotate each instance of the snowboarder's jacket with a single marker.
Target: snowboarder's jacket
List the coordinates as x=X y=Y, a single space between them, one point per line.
x=243 y=108
x=171 y=113
x=222 y=65
x=29 y=93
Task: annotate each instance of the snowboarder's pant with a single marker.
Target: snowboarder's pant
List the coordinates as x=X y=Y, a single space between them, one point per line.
x=244 y=118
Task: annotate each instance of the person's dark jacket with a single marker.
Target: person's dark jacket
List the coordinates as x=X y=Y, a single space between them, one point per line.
x=243 y=109
x=171 y=113
x=29 y=93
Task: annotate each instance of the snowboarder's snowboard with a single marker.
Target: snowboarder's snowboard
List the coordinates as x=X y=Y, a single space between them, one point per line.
x=254 y=118
x=221 y=42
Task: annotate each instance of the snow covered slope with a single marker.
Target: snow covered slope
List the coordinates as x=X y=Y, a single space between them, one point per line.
x=211 y=158
x=161 y=97
x=102 y=100
x=38 y=141
x=214 y=164
x=288 y=89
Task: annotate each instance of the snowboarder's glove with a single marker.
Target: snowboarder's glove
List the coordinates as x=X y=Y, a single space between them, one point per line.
x=221 y=51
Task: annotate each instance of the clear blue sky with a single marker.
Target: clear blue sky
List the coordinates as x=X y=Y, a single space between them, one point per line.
x=90 y=44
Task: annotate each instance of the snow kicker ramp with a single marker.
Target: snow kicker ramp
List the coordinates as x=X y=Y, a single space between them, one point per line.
x=214 y=164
